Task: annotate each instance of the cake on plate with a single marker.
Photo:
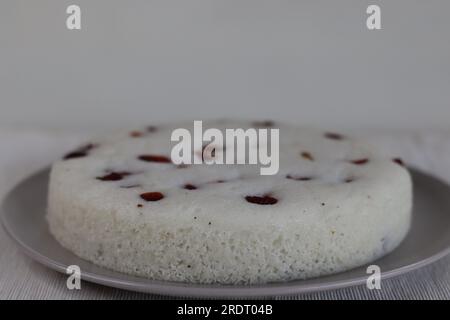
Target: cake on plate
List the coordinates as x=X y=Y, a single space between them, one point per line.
x=335 y=204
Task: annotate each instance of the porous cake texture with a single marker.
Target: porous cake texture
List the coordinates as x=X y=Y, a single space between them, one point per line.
x=335 y=204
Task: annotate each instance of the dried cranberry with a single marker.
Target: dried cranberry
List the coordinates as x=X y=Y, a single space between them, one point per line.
x=299 y=178
x=307 y=156
x=75 y=154
x=333 y=136
x=154 y=158
x=80 y=152
x=152 y=196
x=189 y=186
x=114 y=176
x=360 y=161
x=399 y=161
x=135 y=134
x=261 y=200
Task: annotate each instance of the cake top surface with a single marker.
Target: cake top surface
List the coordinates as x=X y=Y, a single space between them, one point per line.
x=131 y=173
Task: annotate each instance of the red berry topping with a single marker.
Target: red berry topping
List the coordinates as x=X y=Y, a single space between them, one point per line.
x=114 y=176
x=75 y=154
x=333 y=136
x=299 y=178
x=306 y=155
x=135 y=134
x=154 y=158
x=189 y=186
x=399 y=161
x=264 y=200
x=80 y=152
x=360 y=161
x=152 y=196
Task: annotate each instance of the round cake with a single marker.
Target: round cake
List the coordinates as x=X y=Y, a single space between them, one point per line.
x=335 y=204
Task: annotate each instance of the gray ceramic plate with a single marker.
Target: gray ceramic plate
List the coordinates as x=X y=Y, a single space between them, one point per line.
x=428 y=240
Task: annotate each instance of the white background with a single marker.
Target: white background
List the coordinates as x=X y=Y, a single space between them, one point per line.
x=310 y=62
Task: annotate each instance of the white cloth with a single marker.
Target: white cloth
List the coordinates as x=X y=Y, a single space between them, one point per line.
x=23 y=152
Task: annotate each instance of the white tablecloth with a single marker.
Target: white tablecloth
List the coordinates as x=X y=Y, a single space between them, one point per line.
x=22 y=152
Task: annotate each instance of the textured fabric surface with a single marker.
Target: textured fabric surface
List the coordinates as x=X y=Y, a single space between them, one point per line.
x=24 y=152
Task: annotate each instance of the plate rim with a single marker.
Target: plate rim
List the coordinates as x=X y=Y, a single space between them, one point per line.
x=180 y=289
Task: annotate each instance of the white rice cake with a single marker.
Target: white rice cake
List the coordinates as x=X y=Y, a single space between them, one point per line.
x=334 y=205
